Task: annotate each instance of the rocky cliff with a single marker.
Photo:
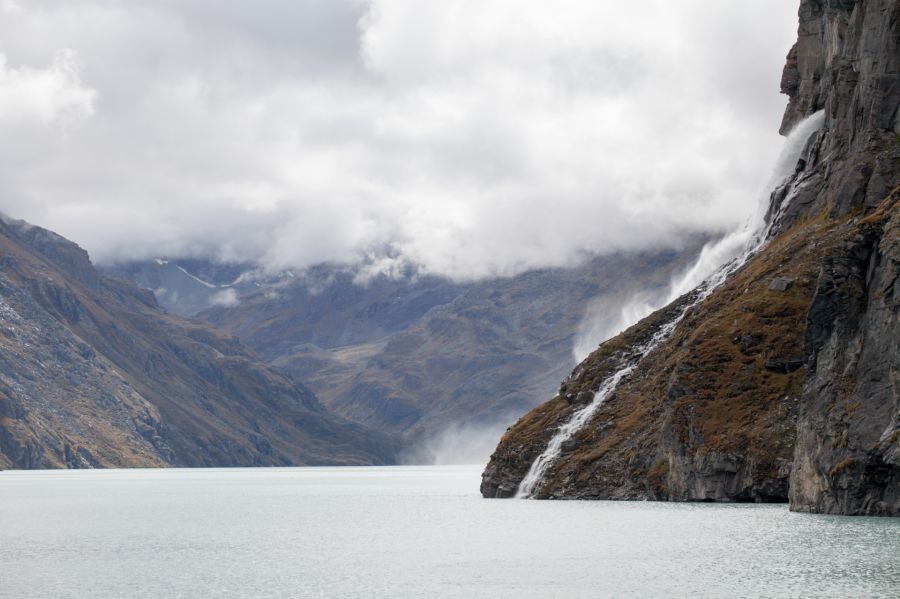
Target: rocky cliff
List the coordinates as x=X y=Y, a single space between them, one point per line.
x=783 y=383
x=94 y=374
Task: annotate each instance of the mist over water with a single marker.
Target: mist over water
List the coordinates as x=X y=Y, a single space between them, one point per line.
x=462 y=443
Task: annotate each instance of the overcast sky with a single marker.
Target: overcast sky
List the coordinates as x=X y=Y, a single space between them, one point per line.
x=471 y=137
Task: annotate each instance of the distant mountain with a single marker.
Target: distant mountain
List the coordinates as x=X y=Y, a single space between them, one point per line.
x=94 y=374
x=417 y=355
x=188 y=286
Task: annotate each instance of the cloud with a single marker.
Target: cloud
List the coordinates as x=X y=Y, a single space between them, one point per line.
x=467 y=138
x=10 y=7
x=226 y=297
x=43 y=95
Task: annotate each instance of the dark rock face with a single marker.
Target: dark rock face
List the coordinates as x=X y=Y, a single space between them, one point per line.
x=94 y=374
x=846 y=62
x=784 y=383
x=847 y=457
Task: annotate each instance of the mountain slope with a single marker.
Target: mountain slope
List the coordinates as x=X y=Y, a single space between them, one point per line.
x=94 y=374
x=414 y=357
x=783 y=383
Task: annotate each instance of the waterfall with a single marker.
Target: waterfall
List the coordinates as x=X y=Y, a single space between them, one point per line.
x=756 y=230
x=581 y=417
x=704 y=277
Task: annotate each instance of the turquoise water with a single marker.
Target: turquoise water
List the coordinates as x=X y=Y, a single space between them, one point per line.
x=409 y=532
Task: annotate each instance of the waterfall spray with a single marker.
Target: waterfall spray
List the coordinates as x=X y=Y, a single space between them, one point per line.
x=716 y=263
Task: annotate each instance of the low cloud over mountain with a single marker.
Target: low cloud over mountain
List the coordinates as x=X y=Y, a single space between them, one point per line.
x=469 y=138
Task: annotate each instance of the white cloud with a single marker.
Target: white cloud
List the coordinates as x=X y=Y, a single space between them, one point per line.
x=45 y=94
x=471 y=138
x=10 y=7
x=226 y=297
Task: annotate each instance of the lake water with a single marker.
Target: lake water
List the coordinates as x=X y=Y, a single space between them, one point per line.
x=409 y=532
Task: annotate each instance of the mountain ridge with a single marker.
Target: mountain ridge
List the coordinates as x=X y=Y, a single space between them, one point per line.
x=94 y=374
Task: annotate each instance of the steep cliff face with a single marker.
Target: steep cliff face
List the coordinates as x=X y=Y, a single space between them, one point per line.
x=782 y=384
x=847 y=455
x=94 y=374
x=847 y=61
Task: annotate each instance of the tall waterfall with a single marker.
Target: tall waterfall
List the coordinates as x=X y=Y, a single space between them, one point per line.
x=707 y=274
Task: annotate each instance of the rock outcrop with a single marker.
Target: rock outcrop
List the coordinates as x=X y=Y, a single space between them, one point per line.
x=783 y=384
x=94 y=374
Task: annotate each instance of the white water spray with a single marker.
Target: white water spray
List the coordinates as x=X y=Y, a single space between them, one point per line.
x=716 y=263
x=755 y=230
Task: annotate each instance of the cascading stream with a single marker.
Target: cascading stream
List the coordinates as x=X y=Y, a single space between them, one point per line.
x=754 y=237
x=539 y=467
